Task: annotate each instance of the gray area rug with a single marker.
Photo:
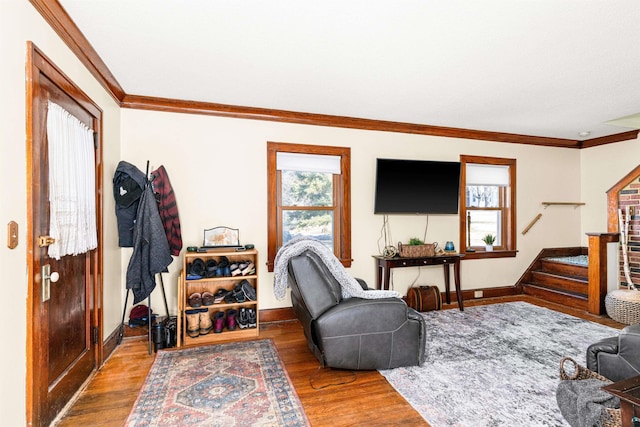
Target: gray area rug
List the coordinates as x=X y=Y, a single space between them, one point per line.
x=494 y=365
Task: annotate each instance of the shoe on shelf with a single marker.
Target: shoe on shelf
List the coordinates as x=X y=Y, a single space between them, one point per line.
x=193 y=323
x=231 y=319
x=230 y=297
x=207 y=298
x=248 y=290
x=235 y=269
x=248 y=269
x=196 y=269
x=218 y=322
x=195 y=300
x=206 y=325
x=238 y=294
x=243 y=318
x=224 y=265
x=210 y=268
x=220 y=295
x=253 y=318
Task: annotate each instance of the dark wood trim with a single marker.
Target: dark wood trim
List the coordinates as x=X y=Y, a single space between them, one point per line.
x=603 y=140
x=239 y=112
x=612 y=198
x=109 y=345
x=597 y=271
x=277 y=315
x=55 y=15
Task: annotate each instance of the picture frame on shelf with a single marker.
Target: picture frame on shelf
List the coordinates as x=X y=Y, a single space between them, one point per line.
x=221 y=237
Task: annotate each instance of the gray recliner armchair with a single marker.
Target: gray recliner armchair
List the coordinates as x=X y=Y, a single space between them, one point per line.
x=616 y=358
x=353 y=333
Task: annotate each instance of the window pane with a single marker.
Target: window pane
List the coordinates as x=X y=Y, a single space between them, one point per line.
x=483 y=196
x=318 y=224
x=307 y=189
x=482 y=223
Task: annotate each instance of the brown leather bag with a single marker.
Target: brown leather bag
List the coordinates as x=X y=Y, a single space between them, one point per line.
x=424 y=298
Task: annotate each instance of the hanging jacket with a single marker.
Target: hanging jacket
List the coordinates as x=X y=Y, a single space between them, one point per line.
x=128 y=183
x=168 y=209
x=150 y=248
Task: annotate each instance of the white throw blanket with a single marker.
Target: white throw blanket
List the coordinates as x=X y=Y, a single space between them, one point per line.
x=350 y=286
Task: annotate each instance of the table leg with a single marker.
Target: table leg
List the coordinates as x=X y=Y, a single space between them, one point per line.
x=456 y=278
x=379 y=278
x=447 y=284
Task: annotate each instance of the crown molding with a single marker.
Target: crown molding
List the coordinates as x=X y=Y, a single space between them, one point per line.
x=253 y=113
x=63 y=25
x=53 y=12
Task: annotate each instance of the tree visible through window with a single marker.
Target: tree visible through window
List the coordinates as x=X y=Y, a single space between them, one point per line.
x=307 y=205
x=309 y=195
x=487 y=205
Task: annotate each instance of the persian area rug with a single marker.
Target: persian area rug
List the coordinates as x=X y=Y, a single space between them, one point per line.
x=235 y=384
x=495 y=365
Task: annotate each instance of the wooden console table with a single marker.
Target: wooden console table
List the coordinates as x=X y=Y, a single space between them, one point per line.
x=629 y=393
x=386 y=264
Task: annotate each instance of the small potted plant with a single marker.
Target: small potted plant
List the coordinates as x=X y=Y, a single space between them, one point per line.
x=489 y=240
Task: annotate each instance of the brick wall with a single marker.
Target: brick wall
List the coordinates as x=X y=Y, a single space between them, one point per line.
x=630 y=196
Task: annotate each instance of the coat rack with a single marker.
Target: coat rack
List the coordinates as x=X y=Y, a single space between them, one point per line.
x=126 y=300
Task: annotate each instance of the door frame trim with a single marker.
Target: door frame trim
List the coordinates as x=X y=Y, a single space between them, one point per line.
x=37 y=63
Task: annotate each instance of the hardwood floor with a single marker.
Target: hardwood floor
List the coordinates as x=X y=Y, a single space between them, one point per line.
x=329 y=397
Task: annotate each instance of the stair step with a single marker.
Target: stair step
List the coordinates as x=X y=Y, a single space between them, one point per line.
x=572 y=284
x=562 y=268
x=554 y=295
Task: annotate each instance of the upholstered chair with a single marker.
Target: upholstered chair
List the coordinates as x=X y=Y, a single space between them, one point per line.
x=617 y=357
x=353 y=333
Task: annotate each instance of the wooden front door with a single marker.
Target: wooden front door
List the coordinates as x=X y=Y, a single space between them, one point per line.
x=64 y=336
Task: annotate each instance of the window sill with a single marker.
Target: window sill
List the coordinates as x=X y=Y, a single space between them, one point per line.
x=492 y=254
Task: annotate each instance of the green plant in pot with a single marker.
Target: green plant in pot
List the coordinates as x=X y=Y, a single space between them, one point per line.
x=414 y=241
x=489 y=240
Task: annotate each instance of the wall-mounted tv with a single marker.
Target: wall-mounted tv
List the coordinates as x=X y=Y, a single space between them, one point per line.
x=416 y=187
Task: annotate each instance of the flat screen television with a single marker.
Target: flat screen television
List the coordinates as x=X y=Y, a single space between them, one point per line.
x=416 y=187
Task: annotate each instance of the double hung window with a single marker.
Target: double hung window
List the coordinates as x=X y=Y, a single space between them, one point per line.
x=309 y=195
x=487 y=202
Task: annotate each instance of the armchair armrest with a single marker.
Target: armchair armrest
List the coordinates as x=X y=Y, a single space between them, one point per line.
x=606 y=345
x=618 y=357
x=363 y=316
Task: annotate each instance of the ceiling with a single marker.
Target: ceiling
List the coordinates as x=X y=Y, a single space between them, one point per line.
x=545 y=68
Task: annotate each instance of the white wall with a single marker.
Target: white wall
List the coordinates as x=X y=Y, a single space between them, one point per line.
x=217 y=168
x=602 y=168
x=20 y=22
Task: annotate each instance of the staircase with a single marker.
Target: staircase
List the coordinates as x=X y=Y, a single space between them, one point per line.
x=558 y=282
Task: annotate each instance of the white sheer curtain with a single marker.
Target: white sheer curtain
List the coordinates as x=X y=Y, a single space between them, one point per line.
x=72 y=203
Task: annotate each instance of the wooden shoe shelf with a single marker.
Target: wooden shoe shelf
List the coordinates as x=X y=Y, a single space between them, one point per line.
x=188 y=287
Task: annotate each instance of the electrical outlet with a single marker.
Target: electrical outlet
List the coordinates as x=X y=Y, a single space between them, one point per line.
x=478 y=294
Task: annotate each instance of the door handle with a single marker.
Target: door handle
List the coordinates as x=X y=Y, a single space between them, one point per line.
x=44 y=241
x=47 y=278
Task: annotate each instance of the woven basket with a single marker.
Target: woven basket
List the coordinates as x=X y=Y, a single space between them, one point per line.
x=610 y=417
x=416 y=251
x=623 y=306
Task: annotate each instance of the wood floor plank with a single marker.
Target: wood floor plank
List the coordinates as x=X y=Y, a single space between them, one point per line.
x=364 y=399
